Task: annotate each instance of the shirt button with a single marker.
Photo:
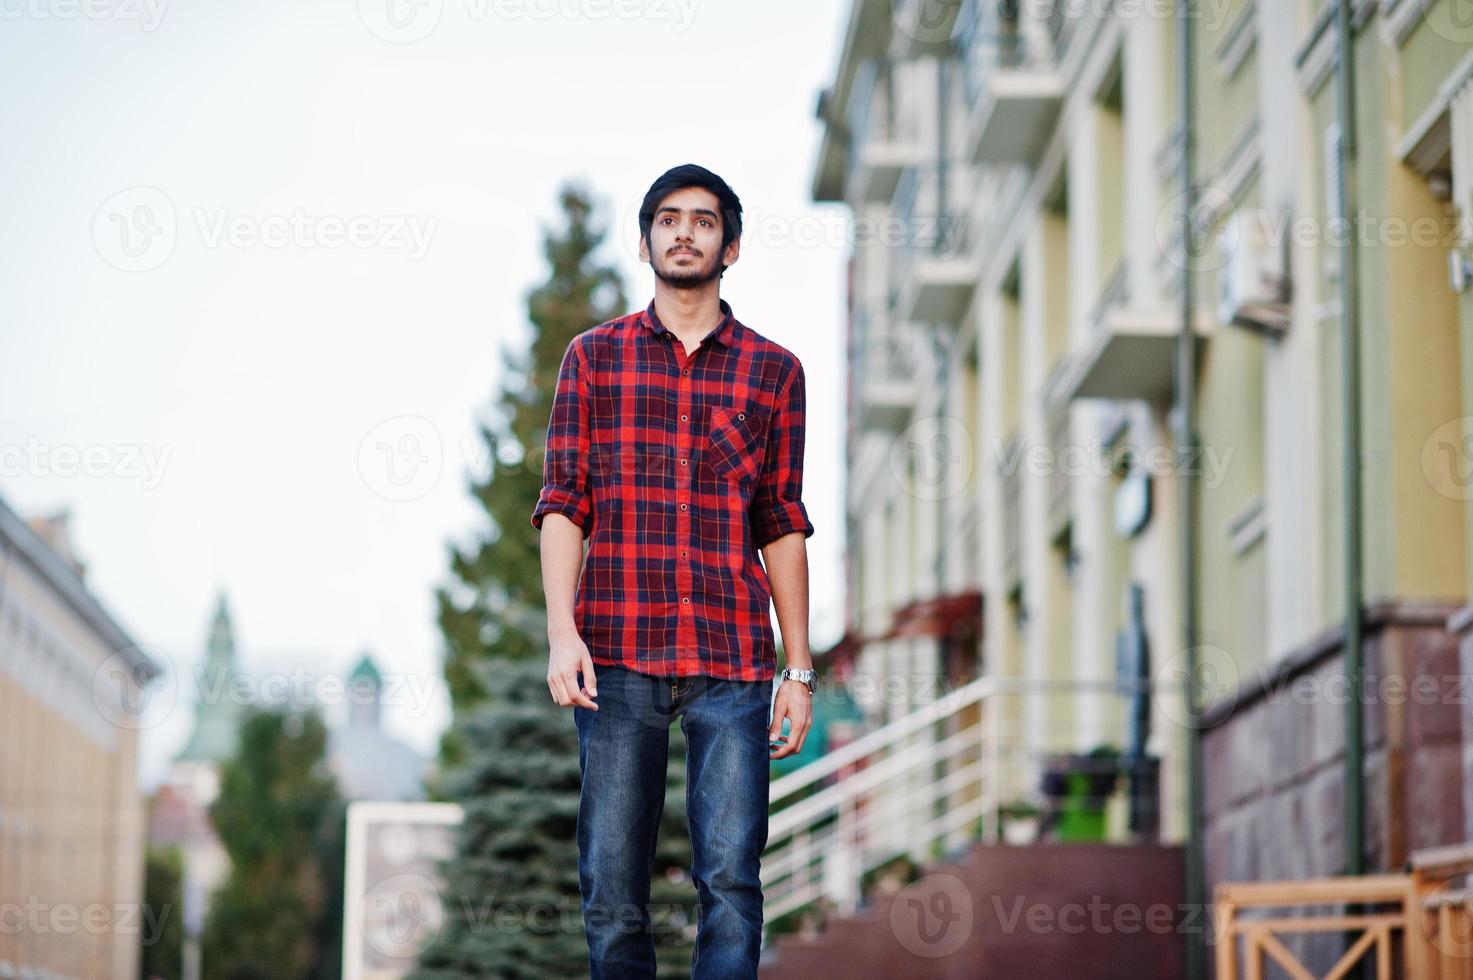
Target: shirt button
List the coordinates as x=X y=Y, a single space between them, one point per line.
x=684 y=462
x=685 y=599
x=741 y=416
x=683 y=554
x=684 y=507
x=684 y=417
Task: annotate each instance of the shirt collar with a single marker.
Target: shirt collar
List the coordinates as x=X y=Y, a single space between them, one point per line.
x=724 y=334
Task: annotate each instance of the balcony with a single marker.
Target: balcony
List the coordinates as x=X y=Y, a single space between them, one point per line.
x=925 y=27
x=882 y=140
x=885 y=375
x=1128 y=353
x=1010 y=73
x=934 y=273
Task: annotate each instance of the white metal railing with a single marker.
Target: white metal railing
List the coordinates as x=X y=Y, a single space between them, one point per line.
x=934 y=779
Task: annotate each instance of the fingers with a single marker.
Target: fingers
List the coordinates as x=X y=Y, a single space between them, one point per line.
x=792 y=744
x=566 y=692
x=590 y=681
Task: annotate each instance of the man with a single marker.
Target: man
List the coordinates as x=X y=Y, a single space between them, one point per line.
x=675 y=446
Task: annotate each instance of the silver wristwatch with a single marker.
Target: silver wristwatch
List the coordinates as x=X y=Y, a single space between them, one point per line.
x=809 y=677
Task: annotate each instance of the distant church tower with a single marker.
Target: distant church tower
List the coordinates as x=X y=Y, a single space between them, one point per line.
x=370 y=764
x=218 y=713
x=181 y=807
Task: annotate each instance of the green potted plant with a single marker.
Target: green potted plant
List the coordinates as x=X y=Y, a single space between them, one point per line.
x=1020 y=822
x=1078 y=786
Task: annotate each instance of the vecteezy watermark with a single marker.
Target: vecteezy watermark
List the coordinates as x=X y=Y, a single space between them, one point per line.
x=35 y=917
x=401 y=458
x=402 y=915
x=408 y=21
x=411 y=691
x=126 y=691
x=148 y=14
x=1337 y=689
x=137 y=229
x=128 y=461
x=1214 y=675
x=945 y=235
x=1450 y=19
x=933 y=458
x=1094 y=458
x=1098 y=916
x=932 y=916
x=1187 y=230
x=940 y=21
x=1447 y=458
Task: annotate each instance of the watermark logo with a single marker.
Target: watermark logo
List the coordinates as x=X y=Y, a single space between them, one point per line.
x=124 y=694
x=402 y=915
x=1450 y=19
x=932 y=917
x=933 y=458
x=136 y=229
x=401 y=21
x=1447 y=458
x=401 y=458
x=1215 y=675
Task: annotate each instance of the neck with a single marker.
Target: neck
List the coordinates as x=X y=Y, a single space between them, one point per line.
x=690 y=314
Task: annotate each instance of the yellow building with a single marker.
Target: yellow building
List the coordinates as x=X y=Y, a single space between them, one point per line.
x=1039 y=222
x=72 y=700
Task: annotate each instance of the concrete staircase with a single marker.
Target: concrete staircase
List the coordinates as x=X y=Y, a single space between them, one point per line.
x=1077 y=911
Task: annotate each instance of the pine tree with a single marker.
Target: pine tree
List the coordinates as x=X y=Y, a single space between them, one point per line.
x=511 y=902
x=162 y=921
x=274 y=916
x=495 y=605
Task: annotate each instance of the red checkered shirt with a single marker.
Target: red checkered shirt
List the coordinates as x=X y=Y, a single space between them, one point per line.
x=678 y=468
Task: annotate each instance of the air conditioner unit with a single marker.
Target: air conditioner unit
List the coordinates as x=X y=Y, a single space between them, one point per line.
x=1254 y=289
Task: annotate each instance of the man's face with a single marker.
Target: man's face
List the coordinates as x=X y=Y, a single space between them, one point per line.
x=684 y=246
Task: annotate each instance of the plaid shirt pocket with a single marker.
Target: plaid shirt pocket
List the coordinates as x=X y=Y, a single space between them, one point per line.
x=735 y=443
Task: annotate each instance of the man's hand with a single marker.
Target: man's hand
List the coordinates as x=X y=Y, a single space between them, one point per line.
x=795 y=702
x=570 y=655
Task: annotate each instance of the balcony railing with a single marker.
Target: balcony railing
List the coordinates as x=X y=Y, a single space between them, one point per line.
x=933 y=269
x=934 y=780
x=885 y=371
x=882 y=138
x=1010 y=56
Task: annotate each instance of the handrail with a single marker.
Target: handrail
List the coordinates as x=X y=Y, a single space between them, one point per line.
x=916 y=782
x=949 y=704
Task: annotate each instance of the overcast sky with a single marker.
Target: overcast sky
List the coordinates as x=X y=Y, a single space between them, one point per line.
x=250 y=245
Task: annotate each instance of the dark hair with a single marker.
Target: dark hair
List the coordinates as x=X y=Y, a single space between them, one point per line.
x=690 y=175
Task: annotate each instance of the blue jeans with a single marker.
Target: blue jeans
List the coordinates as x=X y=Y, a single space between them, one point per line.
x=623 y=751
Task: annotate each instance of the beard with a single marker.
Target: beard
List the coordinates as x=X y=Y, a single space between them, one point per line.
x=691 y=276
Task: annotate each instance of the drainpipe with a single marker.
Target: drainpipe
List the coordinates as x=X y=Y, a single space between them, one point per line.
x=1185 y=424
x=1351 y=462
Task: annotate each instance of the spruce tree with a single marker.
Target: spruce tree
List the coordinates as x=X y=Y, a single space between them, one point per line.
x=511 y=901
x=161 y=923
x=275 y=917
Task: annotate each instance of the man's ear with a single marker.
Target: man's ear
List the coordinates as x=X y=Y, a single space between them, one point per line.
x=644 y=248
x=732 y=252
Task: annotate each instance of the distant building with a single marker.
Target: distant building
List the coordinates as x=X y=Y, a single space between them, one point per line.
x=181 y=807
x=73 y=690
x=368 y=763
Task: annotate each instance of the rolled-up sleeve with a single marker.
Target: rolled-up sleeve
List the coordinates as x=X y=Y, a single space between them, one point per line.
x=777 y=506
x=565 y=467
